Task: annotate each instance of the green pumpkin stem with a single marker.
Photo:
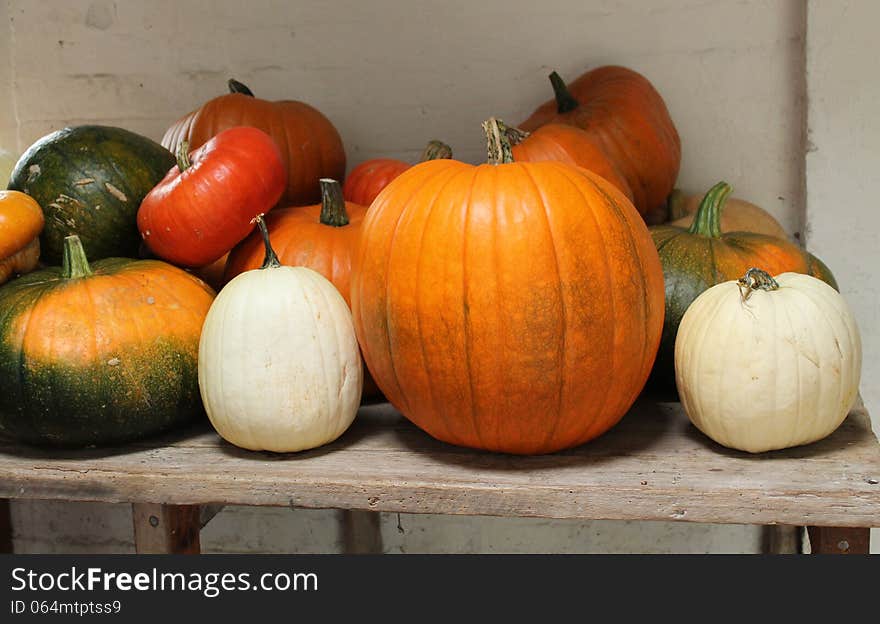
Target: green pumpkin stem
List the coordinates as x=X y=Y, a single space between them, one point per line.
x=755 y=279
x=332 y=203
x=515 y=135
x=239 y=87
x=270 y=260
x=497 y=143
x=74 y=263
x=436 y=150
x=707 y=221
x=183 y=161
x=565 y=101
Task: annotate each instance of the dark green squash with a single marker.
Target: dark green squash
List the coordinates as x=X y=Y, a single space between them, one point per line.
x=99 y=354
x=90 y=181
x=701 y=256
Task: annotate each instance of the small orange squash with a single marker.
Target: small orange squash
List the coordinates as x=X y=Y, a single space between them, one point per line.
x=21 y=221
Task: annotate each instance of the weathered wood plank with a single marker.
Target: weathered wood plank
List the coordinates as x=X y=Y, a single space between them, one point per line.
x=166 y=529
x=839 y=540
x=653 y=466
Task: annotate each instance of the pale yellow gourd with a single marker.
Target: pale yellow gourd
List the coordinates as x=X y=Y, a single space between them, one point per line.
x=764 y=363
x=279 y=365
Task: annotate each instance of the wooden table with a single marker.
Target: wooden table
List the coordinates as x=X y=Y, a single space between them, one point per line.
x=653 y=466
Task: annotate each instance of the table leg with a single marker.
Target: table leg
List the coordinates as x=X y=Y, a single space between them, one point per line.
x=161 y=529
x=781 y=539
x=5 y=526
x=361 y=532
x=839 y=541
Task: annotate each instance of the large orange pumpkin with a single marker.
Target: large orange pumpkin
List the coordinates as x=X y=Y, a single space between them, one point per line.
x=567 y=144
x=514 y=307
x=309 y=143
x=629 y=120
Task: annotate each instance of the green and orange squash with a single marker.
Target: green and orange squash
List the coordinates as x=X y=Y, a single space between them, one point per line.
x=90 y=181
x=101 y=353
x=697 y=258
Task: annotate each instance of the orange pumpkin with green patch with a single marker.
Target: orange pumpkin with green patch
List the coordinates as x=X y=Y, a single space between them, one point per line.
x=99 y=354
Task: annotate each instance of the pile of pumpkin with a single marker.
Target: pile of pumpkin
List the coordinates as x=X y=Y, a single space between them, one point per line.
x=518 y=305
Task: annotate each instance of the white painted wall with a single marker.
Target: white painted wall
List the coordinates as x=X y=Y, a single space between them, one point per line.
x=843 y=166
x=393 y=74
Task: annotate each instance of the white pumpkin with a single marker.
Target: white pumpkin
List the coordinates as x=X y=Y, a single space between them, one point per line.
x=764 y=364
x=279 y=365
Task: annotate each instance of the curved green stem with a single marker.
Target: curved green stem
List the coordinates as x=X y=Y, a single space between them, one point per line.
x=707 y=221
x=497 y=143
x=565 y=101
x=74 y=263
x=332 y=203
x=183 y=161
x=239 y=87
x=436 y=150
x=270 y=260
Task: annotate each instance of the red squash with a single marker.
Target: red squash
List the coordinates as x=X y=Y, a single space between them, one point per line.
x=368 y=179
x=206 y=204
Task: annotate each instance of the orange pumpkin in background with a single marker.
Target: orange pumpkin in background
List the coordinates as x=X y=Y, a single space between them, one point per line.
x=310 y=145
x=629 y=121
x=21 y=221
x=322 y=237
x=569 y=145
x=513 y=307
x=368 y=179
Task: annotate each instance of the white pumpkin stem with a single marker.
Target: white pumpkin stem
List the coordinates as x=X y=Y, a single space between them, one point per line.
x=755 y=279
x=271 y=260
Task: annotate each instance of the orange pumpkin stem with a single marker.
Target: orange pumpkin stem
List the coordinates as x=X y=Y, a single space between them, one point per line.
x=183 y=161
x=436 y=150
x=707 y=221
x=239 y=87
x=497 y=143
x=332 y=203
x=565 y=101
x=74 y=263
x=270 y=260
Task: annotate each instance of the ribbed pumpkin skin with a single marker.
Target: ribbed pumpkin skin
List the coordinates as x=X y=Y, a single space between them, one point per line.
x=628 y=119
x=573 y=146
x=309 y=143
x=513 y=307
x=780 y=369
x=368 y=179
x=90 y=181
x=739 y=215
x=100 y=359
